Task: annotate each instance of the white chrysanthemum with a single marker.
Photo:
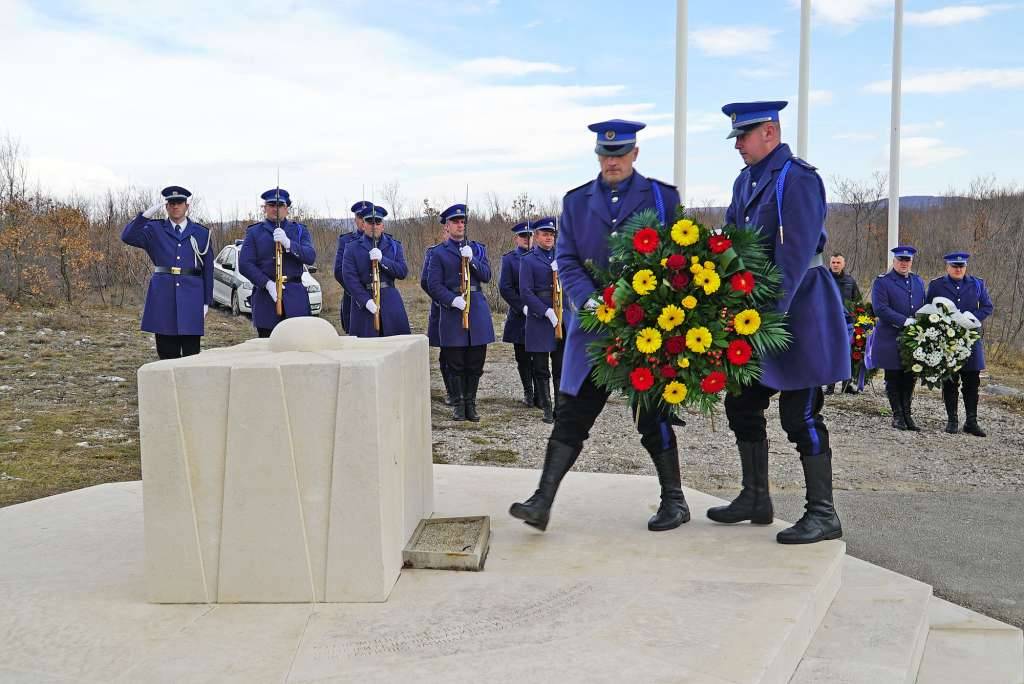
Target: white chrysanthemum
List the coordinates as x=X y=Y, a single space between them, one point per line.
x=933 y=378
x=934 y=318
x=920 y=354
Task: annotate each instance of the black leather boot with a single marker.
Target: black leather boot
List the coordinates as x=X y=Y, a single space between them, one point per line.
x=545 y=398
x=536 y=392
x=449 y=396
x=950 y=399
x=754 y=502
x=471 y=383
x=558 y=460
x=458 y=403
x=907 y=395
x=830 y=389
x=819 y=521
x=970 y=392
x=526 y=377
x=894 y=391
x=673 y=510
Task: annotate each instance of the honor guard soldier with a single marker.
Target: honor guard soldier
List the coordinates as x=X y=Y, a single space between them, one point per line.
x=256 y=262
x=433 y=318
x=463 y=342
x=970 y=295
x=181 y=289
x=358 y=211
x=896 y=296
x=514 y=331
x=371 y=318
x=589 y=215
x=782 y=197
x=537 y=277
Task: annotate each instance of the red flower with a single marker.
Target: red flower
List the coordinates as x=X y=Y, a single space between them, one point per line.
x=668 y=372
x=856 y=356
x=858 y=343
x=612 y=360
x=680 y=280
x=858 y=331
x=676 y=262
x=743 y=282
x=609 y=301
x=642 y=379
x=719 y=243
x=675 y=344
x=645 y=240
x=739 y=352
x=714 y=382
x=634 y=314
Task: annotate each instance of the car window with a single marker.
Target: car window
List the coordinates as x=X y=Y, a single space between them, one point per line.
x=223 y=256
x=231 y=256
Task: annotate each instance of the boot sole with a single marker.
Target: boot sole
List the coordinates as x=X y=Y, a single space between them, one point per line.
x=526 y=521
x=833 y=535
x=686 y=519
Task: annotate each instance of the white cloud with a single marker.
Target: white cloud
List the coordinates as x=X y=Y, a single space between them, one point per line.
x=920 y=151
x=506 y=66
x=953 y=14
x=955 y=81
x=734 y=41
x=849 y=13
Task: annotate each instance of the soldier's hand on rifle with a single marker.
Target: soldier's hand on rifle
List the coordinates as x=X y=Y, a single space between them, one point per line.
x=152 y=211
x=280 y=236
x=466 y=251
x=376 y=254
x=554 y=266
x=371 y=306
x=272 y=289
x=551 y=316
x=526 y=310
x=306 y=279
x=206 y=310
x=459 y=303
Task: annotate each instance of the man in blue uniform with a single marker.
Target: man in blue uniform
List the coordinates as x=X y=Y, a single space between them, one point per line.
x=256 y=262
x=589 y=215
x=181 y=289
x=357 y=275
x=464 y=349
x=896 y=296
x=537 y=272
x=782 y=197
x=358 y=211
x=514 y=331
x=970 y=295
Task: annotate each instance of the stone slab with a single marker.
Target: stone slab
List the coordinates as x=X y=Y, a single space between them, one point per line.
x=964 y=646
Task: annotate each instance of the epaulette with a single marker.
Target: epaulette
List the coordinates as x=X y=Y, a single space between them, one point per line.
x=882 y=275
x=579 y=187
x=253 y=225
x=661 y=182
x=806 y=164
x=511 y=251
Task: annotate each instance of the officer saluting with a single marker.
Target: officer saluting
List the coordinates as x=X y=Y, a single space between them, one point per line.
x=970 y=295
x=181 y=288
x=514 y=331
x=782 y=197
x=256 y=262
x=589 y=214
x=357 y=274
x=464 y=349
x=896 y=296
x=537 y=274
x=358 y=211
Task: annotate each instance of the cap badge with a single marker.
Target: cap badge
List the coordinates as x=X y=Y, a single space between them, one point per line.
x=609 y=135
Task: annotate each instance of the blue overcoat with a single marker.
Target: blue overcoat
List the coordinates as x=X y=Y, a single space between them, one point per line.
x=444 y=285
x=358 y=280
x=535 y=284
x=584 y=227
x=174 y=303
x=256 y=262
x=339 y=257
x=433 y=337
x=514 y=331
x=969 y=294
x=819 y=352
x=894 y=298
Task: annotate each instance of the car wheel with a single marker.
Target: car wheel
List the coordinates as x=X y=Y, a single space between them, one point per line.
x=235 y=309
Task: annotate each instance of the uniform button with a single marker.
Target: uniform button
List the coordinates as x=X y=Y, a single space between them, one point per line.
x=179 y=256
x=177 y=284
x=747 y=219
x=753 y=183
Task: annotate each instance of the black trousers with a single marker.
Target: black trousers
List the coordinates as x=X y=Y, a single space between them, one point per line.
x=539 y=363
x=176 y=346
x=901 y=378
x=576 y=415
x=465 y=361
x=524 y=360
x=264 y=332
x=971 y=381
x=799 y=413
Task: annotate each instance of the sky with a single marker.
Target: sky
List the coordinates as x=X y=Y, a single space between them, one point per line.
x=342 y=97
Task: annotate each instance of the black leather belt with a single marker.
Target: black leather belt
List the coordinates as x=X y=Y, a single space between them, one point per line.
x=542 y=293
x=369 y=286
x=174 y=270
x=475 y=288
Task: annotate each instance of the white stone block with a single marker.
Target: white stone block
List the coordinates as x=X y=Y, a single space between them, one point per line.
x=292 y=469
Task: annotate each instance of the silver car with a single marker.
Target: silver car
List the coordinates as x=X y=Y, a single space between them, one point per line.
x=232 y=289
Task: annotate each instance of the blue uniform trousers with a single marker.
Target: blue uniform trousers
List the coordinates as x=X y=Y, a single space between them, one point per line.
x=799 y=412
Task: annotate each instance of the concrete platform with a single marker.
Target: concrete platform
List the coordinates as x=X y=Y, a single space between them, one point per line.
x=597 y=598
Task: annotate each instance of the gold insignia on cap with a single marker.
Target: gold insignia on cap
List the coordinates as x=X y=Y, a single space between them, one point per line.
x=609 y=135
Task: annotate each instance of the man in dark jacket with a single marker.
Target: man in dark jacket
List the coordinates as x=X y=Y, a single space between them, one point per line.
x=849 y=291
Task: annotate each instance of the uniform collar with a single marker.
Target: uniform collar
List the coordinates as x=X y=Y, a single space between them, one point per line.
x=622 y=188
x=545 y=252
x=522 y=250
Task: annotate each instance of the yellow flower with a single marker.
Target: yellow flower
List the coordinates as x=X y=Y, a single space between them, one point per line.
x=664 y=262
x=696 y=268
x=674 y=392
x=865 y=320
x=695 y=260
x=689 y=302
x=671 y=317
x=698 y=340
x=683 y=362
x=604 y=313
x=685 y=232
x=709 y=265
x=648 y=340
x=747 y=322
x=709 y=280
x=644 y=282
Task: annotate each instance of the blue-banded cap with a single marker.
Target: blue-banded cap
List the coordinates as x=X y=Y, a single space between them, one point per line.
x=175 y=193
x=522 y=228
x=957 y=258
x=903 y=251
x=454 y=211
x=746 y=115
x=616 y=137
x=547 y=223
x=277 y=196
x=374 y=212
x=360 y=207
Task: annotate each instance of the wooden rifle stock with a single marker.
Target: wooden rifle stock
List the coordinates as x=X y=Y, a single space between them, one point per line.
x=556 y=302
x=467 y=292
x=279 y=278
x=375 y=269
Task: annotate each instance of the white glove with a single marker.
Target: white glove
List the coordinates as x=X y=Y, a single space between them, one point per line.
x=306 y=279
x=554 y=266
x=371 y=306
x=466 y=251
x=550 y=315
x=376 y=254
x=592 y=304
x=272 y=289
x=206 y=310
x=909 y=321
x=153 y=210
x=526 y=310
x=459 y=303
x=280 y=236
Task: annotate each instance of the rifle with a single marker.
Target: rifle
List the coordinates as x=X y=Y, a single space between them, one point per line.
x=464 y=274
x=556 y=302
x=278 y=256
x=375 y=267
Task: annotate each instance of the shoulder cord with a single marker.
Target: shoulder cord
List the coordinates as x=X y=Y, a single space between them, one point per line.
x=659 y=203
x=198 y=258
x=779 y=187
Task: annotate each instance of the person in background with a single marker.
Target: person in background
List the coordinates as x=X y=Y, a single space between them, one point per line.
x=849 y=291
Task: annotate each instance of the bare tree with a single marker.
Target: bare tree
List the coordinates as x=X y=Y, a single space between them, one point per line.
x=855 y=222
